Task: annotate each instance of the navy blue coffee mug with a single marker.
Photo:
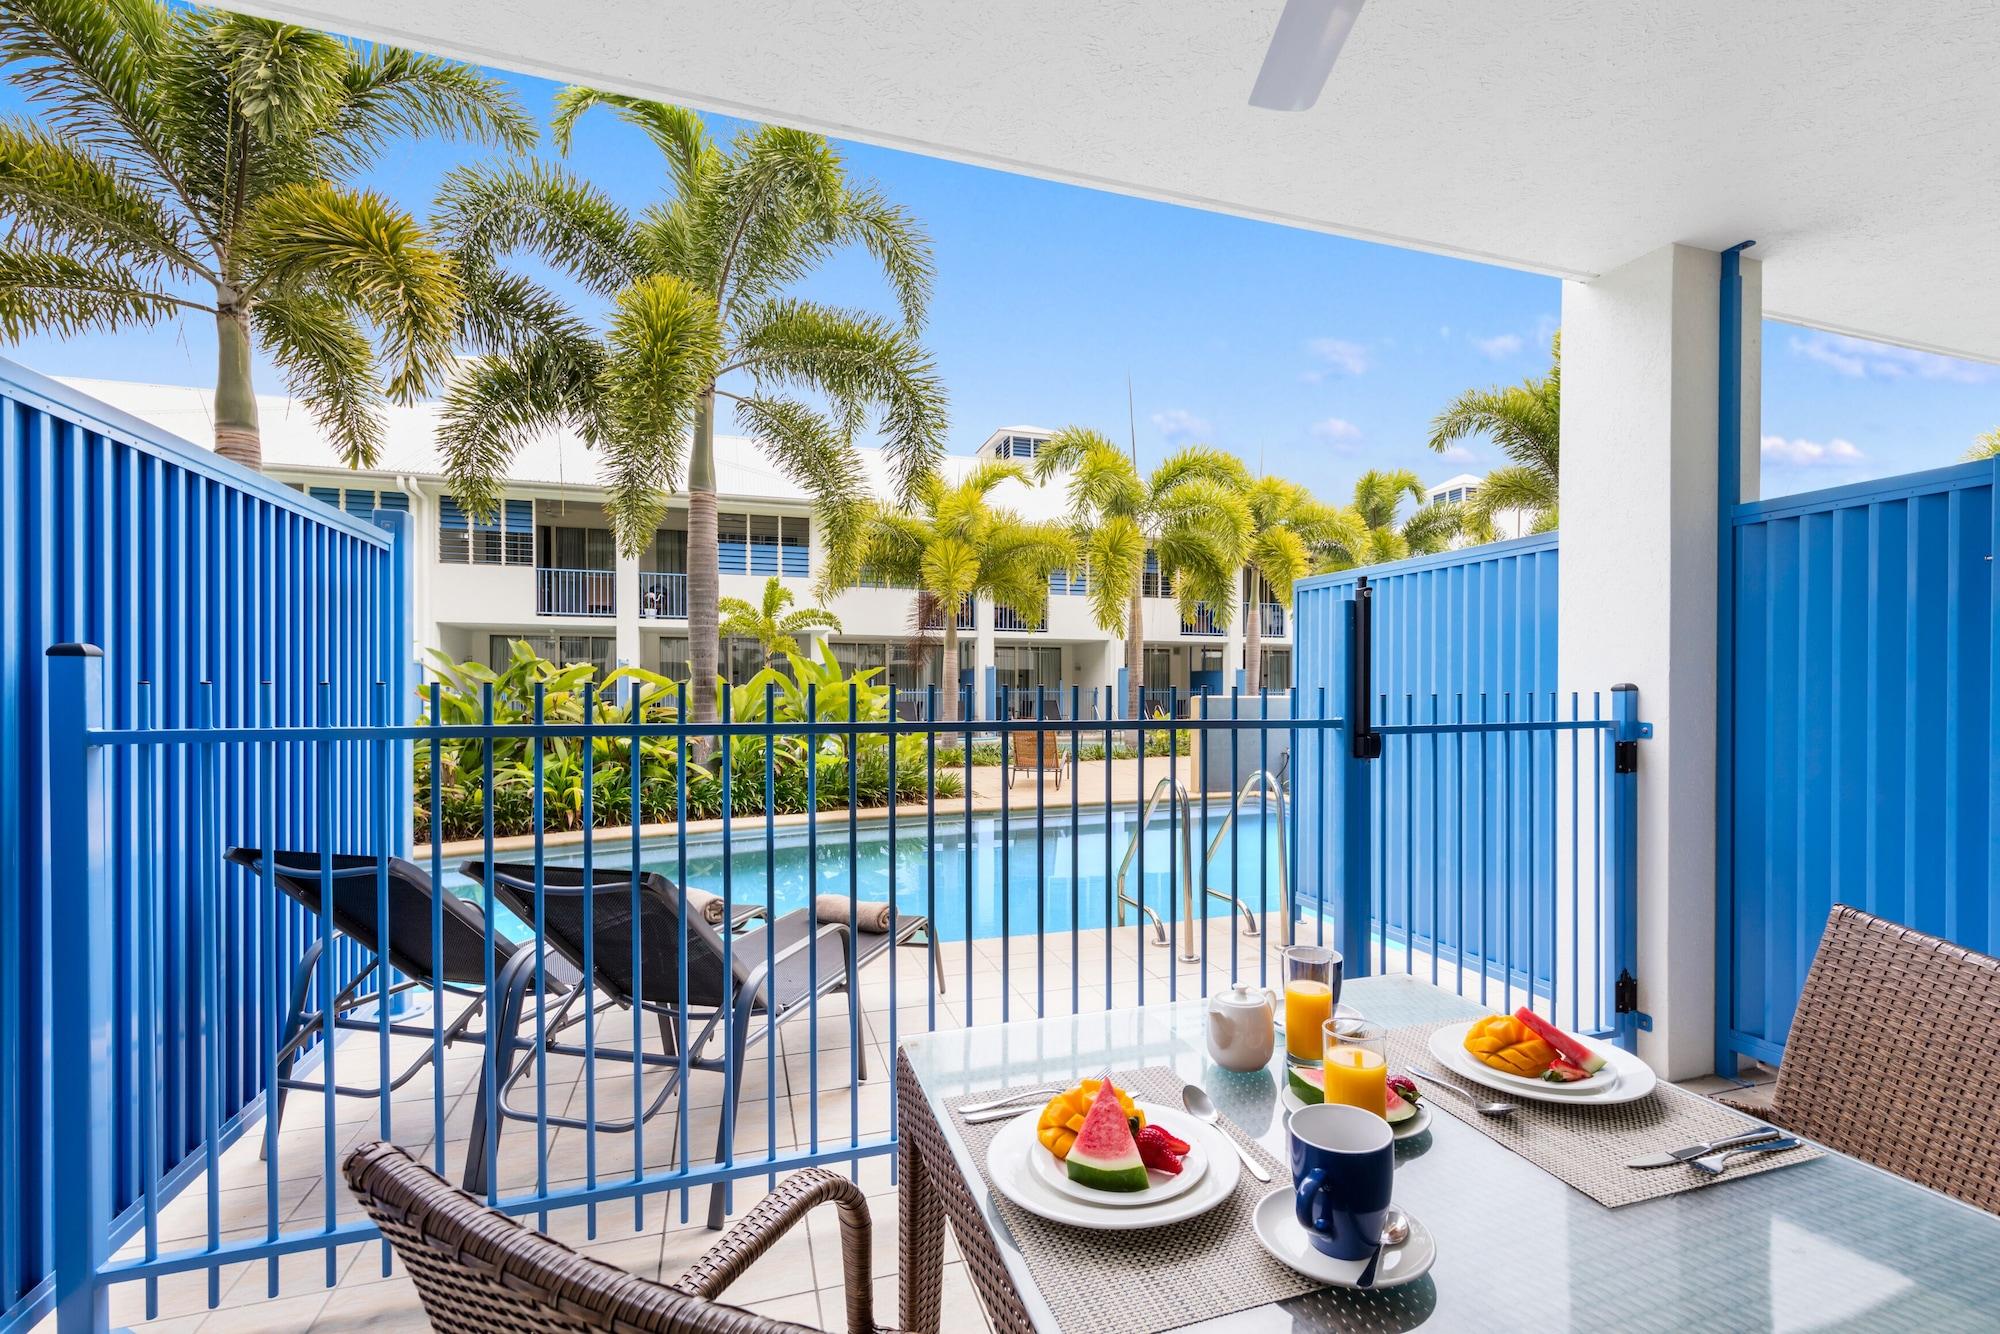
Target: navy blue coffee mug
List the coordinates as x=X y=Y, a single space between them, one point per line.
x=1343 y=1170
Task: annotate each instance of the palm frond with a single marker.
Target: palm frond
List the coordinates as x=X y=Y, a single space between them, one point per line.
x=328 y=362
x=1103 y=480
x=820 y=459
x=56 y=193
x=664 y=343
x=369 y=253
x=389 y=93
x=1280 y=557
x=1984 y=446
x=677 y=132
x=898 y=244
x=1203 y=463
x=46 y=291
x=1114 y=550
x=1525 y=489
x=285 y=82
x=1432 y=527
x=494 y=404
x=485 y=213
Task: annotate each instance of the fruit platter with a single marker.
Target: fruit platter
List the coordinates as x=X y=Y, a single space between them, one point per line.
x=1404 y=1107
x=1527 y=1055
x=1095 y=1156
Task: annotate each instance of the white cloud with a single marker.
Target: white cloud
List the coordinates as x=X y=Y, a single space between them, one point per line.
x=1336 y=428
x=1444 y=331
x=1801 y=453
x=1498 y=346
x=1337 y=355
x=1180 y=424
x=1460 y=454
x=1858 y=358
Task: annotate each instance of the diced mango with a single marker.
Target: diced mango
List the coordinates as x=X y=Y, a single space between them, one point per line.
x=1505 y=1043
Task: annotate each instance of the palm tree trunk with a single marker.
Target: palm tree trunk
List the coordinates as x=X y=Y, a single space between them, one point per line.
x=704 y=563
x=1253 y=637
x=948 y=669
x=1135 y=653
x=236 y=435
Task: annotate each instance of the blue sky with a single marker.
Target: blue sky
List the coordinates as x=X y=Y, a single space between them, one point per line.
x=1317 y=355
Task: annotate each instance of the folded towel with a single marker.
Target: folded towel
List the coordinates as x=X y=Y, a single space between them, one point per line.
x=708 y=905
x=868 y=916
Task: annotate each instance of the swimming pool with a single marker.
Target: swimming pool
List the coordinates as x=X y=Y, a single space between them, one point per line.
x=1062 y=873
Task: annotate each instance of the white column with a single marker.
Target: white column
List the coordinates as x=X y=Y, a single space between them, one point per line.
x=982 y=654
x=627 y=602
x=1639 y=542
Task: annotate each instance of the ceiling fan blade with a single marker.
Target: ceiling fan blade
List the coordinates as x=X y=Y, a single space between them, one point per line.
x=1303 y=48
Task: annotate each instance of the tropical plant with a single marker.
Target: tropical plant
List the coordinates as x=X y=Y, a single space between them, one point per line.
x=191 y=161
x=1286 y=524
x=802 y=772
x=696 y=286
x=951 y=544
x=1525 y=420
x=1372 y=529
x=776 y=630
x=1188 y=515
x=1986 y=446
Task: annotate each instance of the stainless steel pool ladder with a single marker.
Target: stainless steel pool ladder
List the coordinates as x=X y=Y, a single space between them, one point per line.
x=1268 y=791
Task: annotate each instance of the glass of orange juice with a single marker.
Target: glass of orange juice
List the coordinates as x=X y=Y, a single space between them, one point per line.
x=1356 y=1060
x=1312 y=989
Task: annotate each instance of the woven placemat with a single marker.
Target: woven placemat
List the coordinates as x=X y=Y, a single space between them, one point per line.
x=1586 y=1147
x=1151 y=1278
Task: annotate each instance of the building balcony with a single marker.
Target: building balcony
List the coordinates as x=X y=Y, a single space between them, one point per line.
x=663 y=595
x=576 y=592
x=968 y=618
x=1271 y=620
x=1007 y=619
x=1204 y=622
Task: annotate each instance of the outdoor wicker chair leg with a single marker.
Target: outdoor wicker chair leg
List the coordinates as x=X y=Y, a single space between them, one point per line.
x=301 y=983
x=732 y=1094
x=920 y=1221
x=488 y=1121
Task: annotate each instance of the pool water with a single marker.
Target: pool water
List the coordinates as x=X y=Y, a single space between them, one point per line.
x=1063 y=873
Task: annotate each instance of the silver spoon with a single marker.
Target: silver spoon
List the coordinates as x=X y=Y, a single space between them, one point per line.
x=1195 y=1098
x=1395 y=1231
x=1479 y=1105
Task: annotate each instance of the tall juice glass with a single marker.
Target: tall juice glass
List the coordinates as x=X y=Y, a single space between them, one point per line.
x=1312 y=989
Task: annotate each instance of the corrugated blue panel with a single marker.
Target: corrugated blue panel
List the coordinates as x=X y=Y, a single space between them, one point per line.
x=207 y=580
x=1864 y=743
x=1463 y=636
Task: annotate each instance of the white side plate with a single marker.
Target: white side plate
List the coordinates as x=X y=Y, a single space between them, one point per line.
x=1404 y=1129
x=1278 y=1231
x=1180 y=1125
x=1634 y=1078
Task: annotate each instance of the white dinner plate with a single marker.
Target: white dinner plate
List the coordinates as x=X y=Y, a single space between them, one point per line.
x=1165 y=1185
x=1634 y=1080
x=1404 y=1129
x=1598 y=1081
x=1013 y=1174
x=1278 y=1231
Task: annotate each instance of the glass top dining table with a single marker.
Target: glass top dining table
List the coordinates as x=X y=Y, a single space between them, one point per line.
x=1827 y=1244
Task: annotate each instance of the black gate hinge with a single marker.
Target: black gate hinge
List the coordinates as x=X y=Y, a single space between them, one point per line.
x=1625 y=995
x=1625 y=757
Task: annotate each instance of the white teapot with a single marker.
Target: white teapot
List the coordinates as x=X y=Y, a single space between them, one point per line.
x=1242 y=1023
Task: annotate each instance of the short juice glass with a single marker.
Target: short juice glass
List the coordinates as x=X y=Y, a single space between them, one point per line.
x=1356 y=1063
x=1312 y=989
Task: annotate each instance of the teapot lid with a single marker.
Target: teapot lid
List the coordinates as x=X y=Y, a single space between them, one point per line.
x=1242 y=993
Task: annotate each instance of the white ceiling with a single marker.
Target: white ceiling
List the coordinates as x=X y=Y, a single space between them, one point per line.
x=1854 y=140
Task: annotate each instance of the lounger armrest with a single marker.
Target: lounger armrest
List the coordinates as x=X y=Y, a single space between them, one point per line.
x=754 y=980
x=764 y=1225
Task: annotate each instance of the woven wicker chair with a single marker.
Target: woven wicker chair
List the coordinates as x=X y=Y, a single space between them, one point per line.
x=1894 y=1056
x=478 y=1270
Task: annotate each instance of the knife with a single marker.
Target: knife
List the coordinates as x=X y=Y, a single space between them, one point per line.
x=1700 y=1150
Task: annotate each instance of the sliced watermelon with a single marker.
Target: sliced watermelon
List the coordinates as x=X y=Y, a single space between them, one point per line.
x=1398 y=1108
x=1567 y=1047
x=1562 y=1072
x=1104 y=1156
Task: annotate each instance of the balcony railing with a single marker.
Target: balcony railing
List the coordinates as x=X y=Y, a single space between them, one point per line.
x=968 y=618
x=662 y=596
x=1203 y=622
x=576 y=592
x=1272 y=619
x=1006 y=618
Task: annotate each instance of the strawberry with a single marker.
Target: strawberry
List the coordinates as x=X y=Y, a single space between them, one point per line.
x=1160 y=1150
x=1405 y=1088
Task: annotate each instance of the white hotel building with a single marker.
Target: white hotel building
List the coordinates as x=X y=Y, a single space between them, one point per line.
x=549 y=572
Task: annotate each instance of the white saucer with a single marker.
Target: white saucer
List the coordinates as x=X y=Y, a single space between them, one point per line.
x=1049 y=1169
x=1634 y=1079
x=1404 y=1129
x=1278 y=1231
x=1012 y=1173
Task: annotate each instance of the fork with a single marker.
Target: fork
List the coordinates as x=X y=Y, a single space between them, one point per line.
x=1714 y=1163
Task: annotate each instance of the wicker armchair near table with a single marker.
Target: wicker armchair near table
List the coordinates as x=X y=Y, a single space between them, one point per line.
x=479 y=1270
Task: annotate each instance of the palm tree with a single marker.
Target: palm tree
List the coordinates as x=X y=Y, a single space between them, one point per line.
x=775 y=629
x=1525 y=421
x=1986 y=446
x=1286 y=523
x=1189 y=514
x=191 y=161
x=952 y=543
x=1371 y=531
x=696 y=285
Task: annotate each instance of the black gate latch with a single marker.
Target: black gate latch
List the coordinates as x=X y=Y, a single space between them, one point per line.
x=1625 y=757
x=1625 y=995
